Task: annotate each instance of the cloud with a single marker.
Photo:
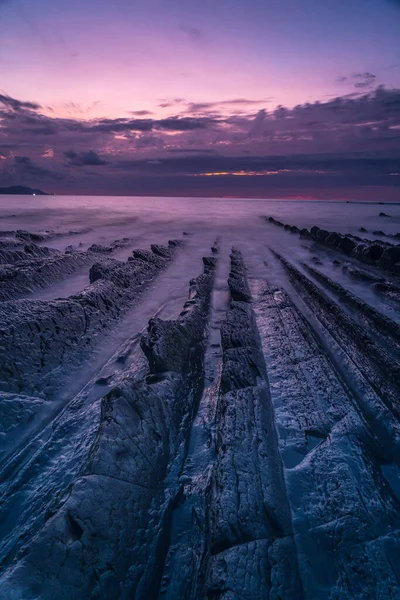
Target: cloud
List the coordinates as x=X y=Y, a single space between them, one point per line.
x=26 y=168
x=193 y=33
x=364 y=80
x=349 y=138
x=359 y=80
x=235 y=102
x=183 y=124
x=164 y=103
x=82 y=159
x=264 y=165
x=170 y=124
x=16 y=105
x=141 y=113
x=191 y=150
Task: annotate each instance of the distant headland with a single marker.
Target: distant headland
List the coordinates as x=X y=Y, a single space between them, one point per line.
x=22 y=190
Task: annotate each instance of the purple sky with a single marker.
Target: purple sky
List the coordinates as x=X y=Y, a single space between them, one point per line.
x=236 y=97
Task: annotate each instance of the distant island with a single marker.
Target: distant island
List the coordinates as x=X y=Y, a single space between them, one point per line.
x=22 y=190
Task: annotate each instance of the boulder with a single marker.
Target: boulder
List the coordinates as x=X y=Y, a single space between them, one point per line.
x=358 y=251
x=175 y=243
x=347 y=245
x=321 y=236
x=162 y=251
x=375 y=252
x=314 y=231
x=333 y=239
x=390 y=256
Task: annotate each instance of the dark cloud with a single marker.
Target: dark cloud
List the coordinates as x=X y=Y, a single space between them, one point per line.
x=82 y=159
x=267 y=165
x=141 y=113
x=344 y=140
x=14 y=104
x=119 y=125
x=364 y=80
x=183 y=124
x=27 y=169
x=235 y=102
x=169 y=103
x=359 y=80
x=169 y=124
x=191 y=150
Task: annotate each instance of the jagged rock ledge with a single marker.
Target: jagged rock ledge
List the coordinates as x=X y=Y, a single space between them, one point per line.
x=376 y=252
x=252 y=550
x=26 y=266
x=368 y=361
x=41 y=340
x=109 y=536
x=333 y=462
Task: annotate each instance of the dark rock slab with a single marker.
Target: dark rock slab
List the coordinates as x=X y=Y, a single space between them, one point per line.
x=39 y=339
x=109 y=534
x=252 y=550
x=347 y=245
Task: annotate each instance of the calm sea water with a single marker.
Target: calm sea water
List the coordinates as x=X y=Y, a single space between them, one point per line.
x=62 y=213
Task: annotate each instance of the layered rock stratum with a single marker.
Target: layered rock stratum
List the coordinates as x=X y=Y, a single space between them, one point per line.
x=242 y=442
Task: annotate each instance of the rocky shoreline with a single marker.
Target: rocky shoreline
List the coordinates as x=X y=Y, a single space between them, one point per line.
x=243 y=442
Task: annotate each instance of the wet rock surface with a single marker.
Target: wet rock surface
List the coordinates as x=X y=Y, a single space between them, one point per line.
x=113 y=521
x=39 y=339
x=377 y=252
x=26 y=266
x=241 y=441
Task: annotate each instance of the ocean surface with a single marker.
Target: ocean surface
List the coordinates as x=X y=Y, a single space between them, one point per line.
x=75 y=212
x=85 y=220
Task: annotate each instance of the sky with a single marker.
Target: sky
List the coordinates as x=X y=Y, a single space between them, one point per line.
x=271 y=98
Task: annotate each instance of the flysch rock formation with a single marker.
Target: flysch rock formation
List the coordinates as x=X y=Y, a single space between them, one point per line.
x=377 y=252
x=39 y=340
x=245 y=447
x=26 y=266
x=232 y=534
x=338 y=471
x=252 y=551
x=108 y=537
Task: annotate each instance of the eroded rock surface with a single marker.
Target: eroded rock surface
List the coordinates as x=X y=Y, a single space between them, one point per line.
x=110 y=532
x=377 y=252
x=232 y=533
x=26 y=266
x=247 y=446
x=38 y=338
